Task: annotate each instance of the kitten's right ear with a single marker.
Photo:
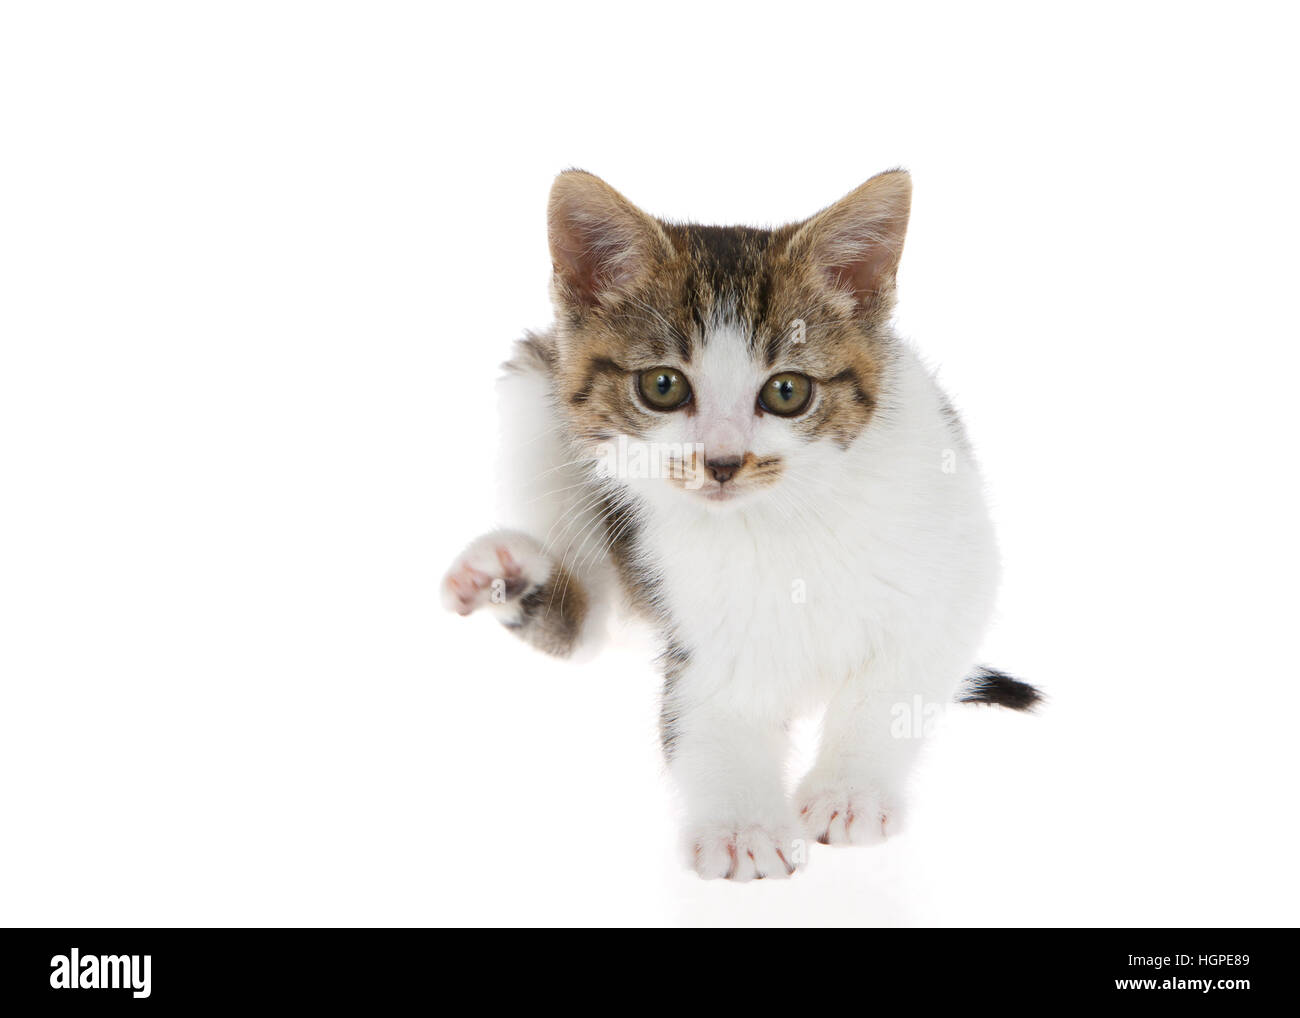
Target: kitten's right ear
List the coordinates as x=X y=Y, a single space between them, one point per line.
x=601 y=244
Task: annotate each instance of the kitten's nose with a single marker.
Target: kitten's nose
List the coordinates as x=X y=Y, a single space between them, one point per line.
x=723 y=470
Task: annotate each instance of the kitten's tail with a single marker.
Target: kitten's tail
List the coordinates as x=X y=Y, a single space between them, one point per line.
x=988 y=685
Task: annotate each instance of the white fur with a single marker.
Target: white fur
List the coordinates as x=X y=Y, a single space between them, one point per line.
x=887 y=542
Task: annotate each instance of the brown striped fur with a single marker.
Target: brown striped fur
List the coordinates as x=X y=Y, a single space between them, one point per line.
x=633 y=292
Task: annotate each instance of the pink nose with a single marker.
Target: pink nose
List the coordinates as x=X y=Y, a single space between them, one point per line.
x=723 y=470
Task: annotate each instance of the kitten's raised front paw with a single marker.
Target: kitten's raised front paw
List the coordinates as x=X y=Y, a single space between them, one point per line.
x=494 y=572
x=742 y=853
x=838 y=813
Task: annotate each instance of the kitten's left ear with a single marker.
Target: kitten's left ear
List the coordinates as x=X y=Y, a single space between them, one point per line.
x=857 y=242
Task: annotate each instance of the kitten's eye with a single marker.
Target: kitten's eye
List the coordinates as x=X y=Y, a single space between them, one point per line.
x=664 y=388
x=785 y=394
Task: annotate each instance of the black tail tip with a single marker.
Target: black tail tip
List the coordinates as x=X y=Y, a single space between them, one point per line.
x=988 y=685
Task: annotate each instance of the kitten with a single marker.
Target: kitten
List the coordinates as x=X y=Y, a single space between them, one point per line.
x=721 y=432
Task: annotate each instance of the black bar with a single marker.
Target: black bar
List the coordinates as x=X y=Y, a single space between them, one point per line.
x=369 y=969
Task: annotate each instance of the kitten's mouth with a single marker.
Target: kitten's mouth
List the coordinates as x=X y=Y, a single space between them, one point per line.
x=727 y=494
x=757 y=474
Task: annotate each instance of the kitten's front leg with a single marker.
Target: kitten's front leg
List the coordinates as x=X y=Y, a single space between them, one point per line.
x=871 y=736
x=508 y=574
x=728 y=766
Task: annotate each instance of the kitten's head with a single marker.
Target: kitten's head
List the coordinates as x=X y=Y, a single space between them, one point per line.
x=721 y=360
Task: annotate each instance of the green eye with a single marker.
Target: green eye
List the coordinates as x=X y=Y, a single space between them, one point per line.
x=785 y=394
x=664 y=388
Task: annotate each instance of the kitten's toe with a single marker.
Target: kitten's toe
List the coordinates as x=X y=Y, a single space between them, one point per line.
x=746 y=853
x=494 y=570
x=844 y=814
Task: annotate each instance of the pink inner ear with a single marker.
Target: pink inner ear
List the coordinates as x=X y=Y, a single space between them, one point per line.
x=575 y=261
x=599 y=241
x=866 y=275
x=596 y=257
x=858 y=240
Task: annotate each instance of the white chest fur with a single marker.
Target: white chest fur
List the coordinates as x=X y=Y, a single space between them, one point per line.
x=780 y=601
x=773 y=608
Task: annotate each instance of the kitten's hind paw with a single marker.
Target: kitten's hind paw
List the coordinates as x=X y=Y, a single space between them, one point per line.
x=494 y=572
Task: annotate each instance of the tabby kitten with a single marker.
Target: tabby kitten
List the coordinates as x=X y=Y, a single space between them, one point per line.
x=721 y=433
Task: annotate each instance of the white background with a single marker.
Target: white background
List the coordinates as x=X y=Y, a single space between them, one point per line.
x=258 y=264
